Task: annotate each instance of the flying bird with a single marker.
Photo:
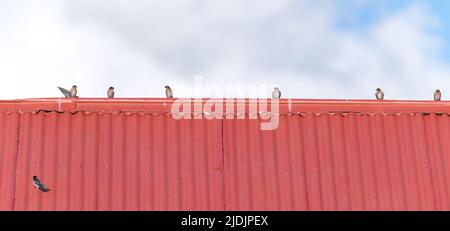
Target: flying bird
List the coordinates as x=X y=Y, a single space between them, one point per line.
x=39 y=185
x=110 y=92
x=379 y=94
x=71 y=93
x=276 y=93
x=437 y=95
x=169 y=93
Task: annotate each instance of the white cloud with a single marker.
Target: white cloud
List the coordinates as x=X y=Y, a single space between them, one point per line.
x=139 y=46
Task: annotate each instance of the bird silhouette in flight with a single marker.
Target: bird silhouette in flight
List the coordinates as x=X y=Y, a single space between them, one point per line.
x=39 y=185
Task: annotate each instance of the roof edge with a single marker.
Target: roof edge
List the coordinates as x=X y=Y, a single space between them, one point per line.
x=164 y=105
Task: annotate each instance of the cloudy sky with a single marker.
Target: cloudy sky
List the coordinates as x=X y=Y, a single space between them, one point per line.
x=311 y=49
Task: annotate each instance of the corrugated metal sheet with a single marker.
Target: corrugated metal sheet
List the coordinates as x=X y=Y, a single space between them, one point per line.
x=337 y=162
x=9 y=127
x=129 y=154
x=108 y=161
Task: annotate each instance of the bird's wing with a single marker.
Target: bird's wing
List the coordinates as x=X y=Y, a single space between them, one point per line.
x=64 y=91
x=38 y=184
x=44 y=188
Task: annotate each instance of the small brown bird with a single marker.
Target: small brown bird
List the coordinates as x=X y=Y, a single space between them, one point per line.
x=169 y=93
x=73 y=91
x=110 y=92
x=437 y=95
x=379 y=94
x=276 y=93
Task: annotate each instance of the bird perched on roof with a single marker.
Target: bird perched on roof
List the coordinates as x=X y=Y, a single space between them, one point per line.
x=276 y=93
x=169 y=93
x=71 y=93
x=39 y=185
x=110 y=92
x=437 y=95
x=379 y=94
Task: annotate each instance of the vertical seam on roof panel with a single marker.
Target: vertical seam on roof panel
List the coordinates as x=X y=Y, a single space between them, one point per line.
x=346 y=177
x=234 y=170
x=445 y=169
x=39 y=142
x=359 y=161
x=344 y=134
x=434 y=133
x=303 y=158
x=348 y=130
x=110 y=163
x=374 y=167
x=205 y=152
x=345 y=163
x=386 y=161
x=69 y=156
x=55 y=160
x=2 y=156
x=165 y=203
x=69 y=160
x=414 y=163
x=40 y=156
x=15 y=161
x=275 y=171
x=435 y=197
x=124 y=157
x=317 y=159
x=193 y=166
x=223 y=168
x=291 y=160
x=174 y=128
x=390 y=162
x=442 y=159
x=264 y=173
x=151 y=158
x=405 y=136
x=82 y=168
x=138 y=161
x=164 y=164
x=97 y=162
x=401 y=169
x=430 y=163
x=332 y=161
x=249 y=167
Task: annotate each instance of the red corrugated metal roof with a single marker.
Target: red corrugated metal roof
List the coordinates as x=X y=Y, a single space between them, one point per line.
x=130 y=154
